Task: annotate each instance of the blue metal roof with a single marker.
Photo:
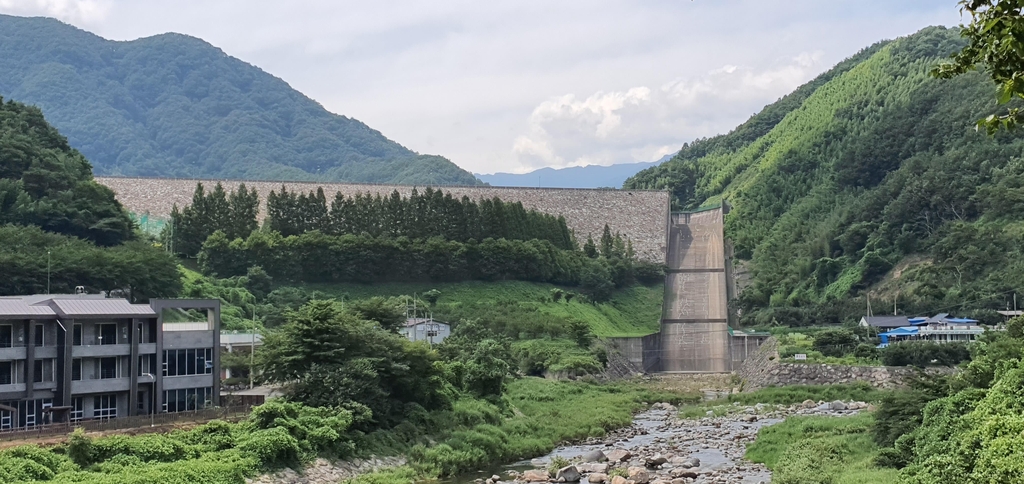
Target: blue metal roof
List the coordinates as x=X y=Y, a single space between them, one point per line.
x=904 y=331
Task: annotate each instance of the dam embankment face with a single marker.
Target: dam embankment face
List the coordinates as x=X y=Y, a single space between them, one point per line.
x=639 y=215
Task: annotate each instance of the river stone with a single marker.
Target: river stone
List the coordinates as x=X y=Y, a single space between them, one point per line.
x=592 y=467
x=691 y=462
x=837 y=405
x=690 y=473
x=618 y=455
x=594 y=456
x=655 y=460
x=535 y=475
x=618 y=480
x=568 y=474
x=597 y=478
x=679 y=480
x=808 y=404
x=639 y=475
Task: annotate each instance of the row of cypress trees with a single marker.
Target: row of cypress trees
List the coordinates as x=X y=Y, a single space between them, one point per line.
x=432 y=213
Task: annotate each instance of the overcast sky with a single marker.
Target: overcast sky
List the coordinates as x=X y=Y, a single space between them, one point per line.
x=518 y=85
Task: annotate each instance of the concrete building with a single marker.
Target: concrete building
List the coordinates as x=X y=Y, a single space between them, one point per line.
x=79 y=357
x=240 y=343
x=425 y=329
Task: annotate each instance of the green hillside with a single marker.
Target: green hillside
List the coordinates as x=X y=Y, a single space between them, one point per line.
x=632 y=311
x=176 y=106
x=59 y=229
x=834 y=185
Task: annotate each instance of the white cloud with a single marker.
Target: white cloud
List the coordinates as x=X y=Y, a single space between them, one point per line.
x=73 y=11
x=644 y=124
x=485 y=83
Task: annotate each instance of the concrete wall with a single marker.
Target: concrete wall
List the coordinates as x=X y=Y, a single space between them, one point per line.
x=694 y=324
x=640 y=215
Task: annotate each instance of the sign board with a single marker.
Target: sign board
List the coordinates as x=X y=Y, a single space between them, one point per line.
x=800 y=356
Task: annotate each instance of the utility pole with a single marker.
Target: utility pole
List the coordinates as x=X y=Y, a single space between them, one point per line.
x=252 y=349
x=47 y=272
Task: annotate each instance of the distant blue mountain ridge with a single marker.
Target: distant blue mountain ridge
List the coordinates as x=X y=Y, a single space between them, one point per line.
x=590 y=176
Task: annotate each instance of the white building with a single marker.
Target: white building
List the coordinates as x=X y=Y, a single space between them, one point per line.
x=426 y=329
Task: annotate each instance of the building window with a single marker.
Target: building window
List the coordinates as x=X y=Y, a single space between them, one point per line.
x=76 y=369
x=76 y=409
x=39 y=339
x=42 y=371
x=6 y=335
x=188 y=362
x=104 y=406
x=187 y=399
x=6 y=419
x=76 y=338
x=147 y=364
x=6 y=372
x=108 y=367
x=108 y=334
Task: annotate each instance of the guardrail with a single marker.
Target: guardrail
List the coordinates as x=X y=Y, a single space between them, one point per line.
x=123 y=423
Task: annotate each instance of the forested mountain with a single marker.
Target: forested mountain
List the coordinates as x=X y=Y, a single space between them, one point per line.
x=869 y=180
x=590 y=176
x=175 y=106
x=60 y=229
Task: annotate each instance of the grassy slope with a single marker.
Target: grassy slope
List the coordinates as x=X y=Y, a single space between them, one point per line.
x=633 y=311
x=817 y=449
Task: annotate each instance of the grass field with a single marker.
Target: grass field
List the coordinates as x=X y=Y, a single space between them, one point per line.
x=633 y=311
x=815 y=449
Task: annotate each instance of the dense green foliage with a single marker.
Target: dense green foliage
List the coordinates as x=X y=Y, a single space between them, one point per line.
x=995 y=41
x=820 y=450
x=873 y=166
x=135 y=269
x=174 y=106
x=434 y=213
x=327 y=356
x=59 y=229
x=44 y=182
x=964 y=428
x=519 y=310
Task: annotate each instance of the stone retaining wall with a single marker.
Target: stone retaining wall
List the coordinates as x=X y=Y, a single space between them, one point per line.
x=640 y=215
x=764 y=369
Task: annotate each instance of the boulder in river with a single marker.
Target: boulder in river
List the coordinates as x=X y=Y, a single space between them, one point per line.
x=655 y=460
x=639 y=475
x=589 y=467
x=618 y=480
x=837 y=405
x=536 y=475
x=619 y=455
x=690 y=462
x=597 y=478
x=594 y=456
x=568 y=474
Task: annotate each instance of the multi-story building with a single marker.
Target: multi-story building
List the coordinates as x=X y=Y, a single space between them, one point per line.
x=78 y=357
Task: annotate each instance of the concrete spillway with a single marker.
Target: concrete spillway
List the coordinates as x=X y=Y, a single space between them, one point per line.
x=694 y=324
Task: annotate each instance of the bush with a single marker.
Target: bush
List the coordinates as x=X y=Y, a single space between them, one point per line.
x=835 y=342
x=925 y=353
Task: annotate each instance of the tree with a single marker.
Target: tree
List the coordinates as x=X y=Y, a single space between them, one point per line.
x=996 y=43
x=835 y=342
x=329 y=357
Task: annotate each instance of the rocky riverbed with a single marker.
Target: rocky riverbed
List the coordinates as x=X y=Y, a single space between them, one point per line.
x=661 y=448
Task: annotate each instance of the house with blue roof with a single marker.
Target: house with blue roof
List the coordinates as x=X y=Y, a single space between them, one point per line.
x=941 y=328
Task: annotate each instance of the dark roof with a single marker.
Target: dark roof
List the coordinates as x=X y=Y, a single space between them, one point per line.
x=886 y=321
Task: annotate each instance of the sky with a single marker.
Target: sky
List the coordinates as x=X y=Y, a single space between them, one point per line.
x=512 y=86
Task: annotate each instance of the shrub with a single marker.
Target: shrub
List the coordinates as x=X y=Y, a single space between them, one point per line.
x=272 y=447
x=925 y=353
x=557 y=462
x=835 y=342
